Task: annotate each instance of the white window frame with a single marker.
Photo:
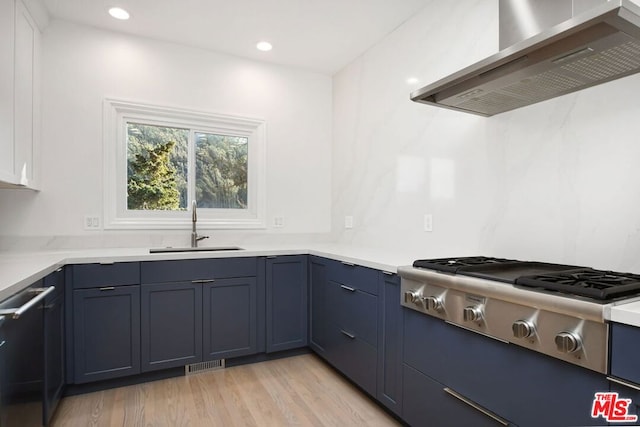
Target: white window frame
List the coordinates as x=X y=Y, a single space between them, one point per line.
x=117 y=113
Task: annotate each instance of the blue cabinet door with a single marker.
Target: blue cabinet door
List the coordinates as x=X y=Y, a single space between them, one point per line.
x=390 y=343
x=318 y=287
x=171 y=322
x=230 y=321
x=106 y=333
x=286 y=282
x=54 y=346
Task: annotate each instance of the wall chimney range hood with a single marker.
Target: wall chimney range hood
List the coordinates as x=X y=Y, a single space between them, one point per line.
x=596 y=46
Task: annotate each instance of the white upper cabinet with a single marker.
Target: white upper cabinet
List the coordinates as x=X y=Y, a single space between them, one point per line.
x=20 y=101
x=6 y=90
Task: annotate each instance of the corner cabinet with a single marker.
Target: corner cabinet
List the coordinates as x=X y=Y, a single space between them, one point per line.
x=19 y=95
x=287 y=300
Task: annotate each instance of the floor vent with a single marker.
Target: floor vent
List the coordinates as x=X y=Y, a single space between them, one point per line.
x=196 y=368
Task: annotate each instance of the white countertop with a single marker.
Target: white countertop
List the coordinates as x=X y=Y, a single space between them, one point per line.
x=20 y=269
x=628 y=314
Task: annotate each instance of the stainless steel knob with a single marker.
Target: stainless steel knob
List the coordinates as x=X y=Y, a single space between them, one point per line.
x=434 y=303
x=522 y=329
x=412 y=297
x=568 y=342
x=472 y=314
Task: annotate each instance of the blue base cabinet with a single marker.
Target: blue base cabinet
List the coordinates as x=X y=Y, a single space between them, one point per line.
x=318 y=291
x=390 y=343
x=287 y=300
x=230 y=318
x=106 y=332
x=171 y=325
x=521 y=386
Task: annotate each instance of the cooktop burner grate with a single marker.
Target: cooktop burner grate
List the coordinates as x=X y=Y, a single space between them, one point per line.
x=452 y=265
x=598 y=284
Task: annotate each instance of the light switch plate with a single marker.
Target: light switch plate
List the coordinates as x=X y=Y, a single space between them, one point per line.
x=92 y=222
x=428 y=222
x=278 y=221
x=348 y=221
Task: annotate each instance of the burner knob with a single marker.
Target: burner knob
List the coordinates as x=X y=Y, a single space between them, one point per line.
x=434 y=303
x=568 y=342
x=472 y=314
x=413 y=297
x=522 y=329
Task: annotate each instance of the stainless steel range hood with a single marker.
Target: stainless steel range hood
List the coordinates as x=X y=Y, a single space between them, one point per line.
x=597 y=46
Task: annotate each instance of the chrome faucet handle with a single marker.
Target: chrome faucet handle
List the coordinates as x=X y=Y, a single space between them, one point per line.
x=201 y=238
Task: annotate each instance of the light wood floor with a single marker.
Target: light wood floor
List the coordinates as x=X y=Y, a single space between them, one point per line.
x=299 y=390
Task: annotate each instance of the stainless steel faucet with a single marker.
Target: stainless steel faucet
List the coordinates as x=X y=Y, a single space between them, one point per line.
x=194 y=218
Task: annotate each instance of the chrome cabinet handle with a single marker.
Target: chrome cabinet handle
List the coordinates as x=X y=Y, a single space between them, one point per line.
x=388 y=273
x=351 y=336
x=41 y=294
x=347 y=288
x=107 y=288
x=624 y=383
x=350 y=264
x=203 y=281
x=475 y=406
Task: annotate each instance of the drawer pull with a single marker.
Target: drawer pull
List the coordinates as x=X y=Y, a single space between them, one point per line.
x=351 y=336
x=107 y=288
x=475 y=406
x=203 y=281
x=388 y=273
x=272 y=256
x=107 y=262
x=349 y=264
x=624 y=383
x=348 y=288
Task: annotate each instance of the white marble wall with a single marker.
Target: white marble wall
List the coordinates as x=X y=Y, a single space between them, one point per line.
x=558 y=181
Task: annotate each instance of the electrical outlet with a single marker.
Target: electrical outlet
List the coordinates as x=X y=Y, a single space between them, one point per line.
x=348 y=221
x=91 y=222
x=428 y=222
x=278 y=221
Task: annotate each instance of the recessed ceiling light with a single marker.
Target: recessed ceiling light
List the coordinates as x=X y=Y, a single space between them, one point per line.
x=264 y=46
x=412 y=80
x=119 y=13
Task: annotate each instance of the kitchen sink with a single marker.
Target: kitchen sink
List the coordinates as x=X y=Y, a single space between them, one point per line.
x=202 y=249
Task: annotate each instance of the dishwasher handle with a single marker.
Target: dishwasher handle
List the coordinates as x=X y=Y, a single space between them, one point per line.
x=41 y=293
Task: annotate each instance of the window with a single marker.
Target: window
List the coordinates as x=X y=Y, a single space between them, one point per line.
x=159 y=160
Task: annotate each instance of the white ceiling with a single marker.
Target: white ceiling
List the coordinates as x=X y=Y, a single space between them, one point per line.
x=318 y=35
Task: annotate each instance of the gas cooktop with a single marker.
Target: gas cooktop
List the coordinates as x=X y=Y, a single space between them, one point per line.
x=566 y=280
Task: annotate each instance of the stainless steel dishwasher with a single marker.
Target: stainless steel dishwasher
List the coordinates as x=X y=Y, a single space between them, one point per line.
x=22 y=374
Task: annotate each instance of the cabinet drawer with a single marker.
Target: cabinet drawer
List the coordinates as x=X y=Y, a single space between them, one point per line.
x=354 y=311
x=98 y=275
x=354 y=357
x=355 y=276
x=427 y=403
x=197 y=269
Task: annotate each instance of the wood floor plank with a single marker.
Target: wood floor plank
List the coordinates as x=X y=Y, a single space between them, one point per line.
x=296 y=391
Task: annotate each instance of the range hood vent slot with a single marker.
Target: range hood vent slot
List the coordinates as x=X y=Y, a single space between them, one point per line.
x=595 y=47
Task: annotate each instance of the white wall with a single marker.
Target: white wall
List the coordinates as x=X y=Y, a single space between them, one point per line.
x=557 y=181
x=83 y=65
